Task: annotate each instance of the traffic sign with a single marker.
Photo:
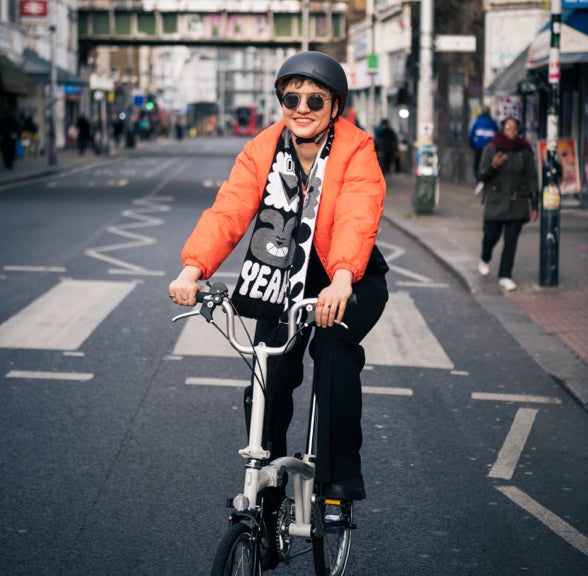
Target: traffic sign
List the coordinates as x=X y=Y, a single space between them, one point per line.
x=455 y=43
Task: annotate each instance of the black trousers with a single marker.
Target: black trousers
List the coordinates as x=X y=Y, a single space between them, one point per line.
x=338 y=360
x=493 y=229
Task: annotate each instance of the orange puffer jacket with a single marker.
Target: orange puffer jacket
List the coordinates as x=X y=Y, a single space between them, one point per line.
x=349 y=213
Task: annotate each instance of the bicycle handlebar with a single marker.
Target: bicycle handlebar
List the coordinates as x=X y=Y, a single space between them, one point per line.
x=301 y=314
x=218 y=295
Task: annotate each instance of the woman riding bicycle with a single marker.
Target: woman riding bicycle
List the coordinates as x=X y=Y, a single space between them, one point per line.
x=312 y=183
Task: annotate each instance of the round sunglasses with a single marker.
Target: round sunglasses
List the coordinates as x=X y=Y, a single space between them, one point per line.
x=315 y=102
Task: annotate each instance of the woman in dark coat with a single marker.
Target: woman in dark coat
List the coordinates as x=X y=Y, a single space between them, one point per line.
x=509 y=173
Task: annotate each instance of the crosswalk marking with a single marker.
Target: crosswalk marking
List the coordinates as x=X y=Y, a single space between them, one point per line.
x=401 y=338
x=64 y=316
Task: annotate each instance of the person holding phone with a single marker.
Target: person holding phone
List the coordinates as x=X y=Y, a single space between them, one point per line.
x=511 y=192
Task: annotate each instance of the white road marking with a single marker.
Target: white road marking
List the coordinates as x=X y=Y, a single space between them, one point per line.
x=235 y=383
x=402 y=338
x=17 y=268
x=513 y=446
x=37 y=375
x=64 y=316
x=198 y=338
x=417 y=280
x=139 y=219
x=386 y=391
x=515 y=398
x=218 y=382
x=548 y=518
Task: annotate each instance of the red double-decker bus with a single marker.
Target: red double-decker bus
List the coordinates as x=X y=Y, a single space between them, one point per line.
x=247 y=121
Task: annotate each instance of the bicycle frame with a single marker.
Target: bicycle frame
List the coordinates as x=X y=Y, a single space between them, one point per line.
x=257 y=477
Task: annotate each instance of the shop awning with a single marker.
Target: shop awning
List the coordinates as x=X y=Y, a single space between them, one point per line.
x=39 y=69
x=11 y=78
x=507 y=82
x=573 y=41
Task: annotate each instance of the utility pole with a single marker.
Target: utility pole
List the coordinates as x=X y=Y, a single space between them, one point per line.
x=372 y=68
x=551 y=177
x=52 y=134
x=425 y=88
x=305 y=25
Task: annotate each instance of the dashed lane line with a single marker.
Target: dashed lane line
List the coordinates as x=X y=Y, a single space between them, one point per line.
x=530 y=398
x=38 y=375
x=513 y=446
x=24 y=268
x=236 y=383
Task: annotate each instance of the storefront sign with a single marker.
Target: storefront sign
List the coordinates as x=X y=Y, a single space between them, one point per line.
x=33 y=12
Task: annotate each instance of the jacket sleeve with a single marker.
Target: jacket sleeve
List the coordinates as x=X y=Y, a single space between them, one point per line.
x=221 y=227
x=357 y=191
x=533 y=180
x=486 y=169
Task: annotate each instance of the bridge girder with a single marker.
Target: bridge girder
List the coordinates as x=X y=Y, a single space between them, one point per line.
x=213 y=23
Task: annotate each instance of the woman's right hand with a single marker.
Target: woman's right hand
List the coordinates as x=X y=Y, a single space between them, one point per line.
x=499 y=159
x=184 y=288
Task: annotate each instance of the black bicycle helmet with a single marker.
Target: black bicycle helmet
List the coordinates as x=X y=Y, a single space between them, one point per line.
x=320 y=68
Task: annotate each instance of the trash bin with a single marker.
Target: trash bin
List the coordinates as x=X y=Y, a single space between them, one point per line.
x=426 y=195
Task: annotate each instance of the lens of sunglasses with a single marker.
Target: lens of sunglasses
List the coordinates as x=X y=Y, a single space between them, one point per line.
x=291 y=100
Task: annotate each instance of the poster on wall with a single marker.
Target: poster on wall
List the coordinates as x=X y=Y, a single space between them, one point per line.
x=568 y=157
x=509 y=107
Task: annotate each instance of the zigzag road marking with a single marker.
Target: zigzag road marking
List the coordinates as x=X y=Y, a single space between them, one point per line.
x=141 y=219
x=416 y=280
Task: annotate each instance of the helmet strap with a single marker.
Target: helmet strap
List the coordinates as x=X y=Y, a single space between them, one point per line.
x=315 y=139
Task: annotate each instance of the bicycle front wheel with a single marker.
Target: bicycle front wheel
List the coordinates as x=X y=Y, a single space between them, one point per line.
x=237 y=554
x=330 y=553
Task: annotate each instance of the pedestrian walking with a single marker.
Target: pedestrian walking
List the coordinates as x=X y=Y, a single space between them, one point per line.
x=312 y=184
x=480 y=135
x=84 y=134
x=509 y=174
x=386 y=145
x=9 y=135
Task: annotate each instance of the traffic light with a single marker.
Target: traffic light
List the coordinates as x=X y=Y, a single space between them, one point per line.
x=150 y=103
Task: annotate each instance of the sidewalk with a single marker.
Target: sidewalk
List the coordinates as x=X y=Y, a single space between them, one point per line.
x=551 y=324
x=35 y=167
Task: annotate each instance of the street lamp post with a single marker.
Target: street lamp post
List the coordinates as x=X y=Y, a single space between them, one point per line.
x=551 y=177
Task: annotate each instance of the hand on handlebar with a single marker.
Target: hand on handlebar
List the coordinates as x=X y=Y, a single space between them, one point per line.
x=184 y=288
x=332 y=300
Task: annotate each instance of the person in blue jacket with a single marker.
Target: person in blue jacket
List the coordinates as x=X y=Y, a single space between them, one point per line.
x=480 y=134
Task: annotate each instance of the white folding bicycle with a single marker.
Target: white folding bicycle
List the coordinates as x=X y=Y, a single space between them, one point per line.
x=320 y=524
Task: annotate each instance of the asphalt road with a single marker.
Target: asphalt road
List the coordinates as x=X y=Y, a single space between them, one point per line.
x=115 y=461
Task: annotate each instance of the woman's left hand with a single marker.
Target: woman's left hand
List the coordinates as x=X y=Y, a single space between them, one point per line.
x=332 y=300
x=534 y=215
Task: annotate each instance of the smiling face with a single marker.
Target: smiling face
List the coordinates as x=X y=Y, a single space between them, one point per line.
x=511 y=128
x=302 y=121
